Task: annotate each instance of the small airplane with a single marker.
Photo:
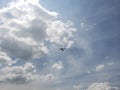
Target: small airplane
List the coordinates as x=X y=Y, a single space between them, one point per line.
x=62 y=49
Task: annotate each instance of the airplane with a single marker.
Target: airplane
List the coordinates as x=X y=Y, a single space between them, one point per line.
x=62 y=49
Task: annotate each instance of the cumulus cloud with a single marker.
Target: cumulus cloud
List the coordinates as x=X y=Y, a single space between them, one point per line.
x=25 y=26
x=47 y=77
x=5 y=60
x=18 y=74
x=58 y=65
x=101 y=86
x=100 y=67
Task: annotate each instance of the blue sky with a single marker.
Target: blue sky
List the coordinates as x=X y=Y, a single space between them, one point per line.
x=32 y=31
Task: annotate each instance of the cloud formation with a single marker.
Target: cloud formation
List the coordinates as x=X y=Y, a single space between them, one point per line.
x=5 y=60
x=99 y=67
x=47 y=77
x=57 y=65
x=25 y=26
x=18 y=74
x=101 y=86
x=77 y=87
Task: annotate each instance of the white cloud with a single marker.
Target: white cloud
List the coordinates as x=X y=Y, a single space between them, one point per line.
x=26 y=25
x=77 y=87
x=58 y=65
x=101 y=86
x=47 y=77
x=100 y=67
x=59 y=32
x=5 y=60
x=18 y=74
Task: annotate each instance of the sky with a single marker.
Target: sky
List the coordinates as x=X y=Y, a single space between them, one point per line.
x=33 y=31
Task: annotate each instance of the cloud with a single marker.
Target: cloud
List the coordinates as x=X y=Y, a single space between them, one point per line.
x=57 y=65
x=110 y=63
x=77 y=87
x=58 y=89
x=25 y=26
x=100 y=67
x=5 y=60
x=101 y=86
x=47 y=77
x=16 y=48
x=18 y=74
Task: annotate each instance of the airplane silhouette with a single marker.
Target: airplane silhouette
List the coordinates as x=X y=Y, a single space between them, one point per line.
x=62 y=49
